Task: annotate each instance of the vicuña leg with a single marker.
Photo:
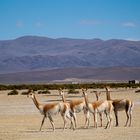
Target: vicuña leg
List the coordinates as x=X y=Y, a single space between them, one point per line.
x=52 y=122
x=42 y=122
x=116 y=116
x=87 y=117
x=101 y=119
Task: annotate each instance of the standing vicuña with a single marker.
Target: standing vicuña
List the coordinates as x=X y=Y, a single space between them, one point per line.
x=99 y=107
x=50 y=109
x=76 y=106
x=119 y=105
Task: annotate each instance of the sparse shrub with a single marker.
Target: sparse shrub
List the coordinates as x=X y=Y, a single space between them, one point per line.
x=73 y=91
x=36 y=87
x=13 y=92
x=26 y=92
x=137 y=91
x=44 y=92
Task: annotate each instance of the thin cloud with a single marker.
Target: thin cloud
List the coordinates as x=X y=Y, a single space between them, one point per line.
x=39 y=24
x=129 y=24
x=19 y=24
x=132 y=39
x=89 y=22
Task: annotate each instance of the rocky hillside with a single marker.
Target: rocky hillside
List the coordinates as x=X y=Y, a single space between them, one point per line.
x=41 y=53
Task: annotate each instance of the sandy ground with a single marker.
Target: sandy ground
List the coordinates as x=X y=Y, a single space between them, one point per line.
x=20 y=119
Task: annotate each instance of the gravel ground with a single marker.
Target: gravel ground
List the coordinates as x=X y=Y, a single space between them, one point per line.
x=20 y=119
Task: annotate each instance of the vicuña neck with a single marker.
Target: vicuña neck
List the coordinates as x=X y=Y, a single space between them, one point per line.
x=97 y=97
x=63 y=98
x=108 y=94
x=36 y=102
x=86 y=99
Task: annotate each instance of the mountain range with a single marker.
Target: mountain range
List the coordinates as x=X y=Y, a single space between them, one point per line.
x=34 y=53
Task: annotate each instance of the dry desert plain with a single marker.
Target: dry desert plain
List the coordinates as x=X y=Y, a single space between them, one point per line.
x=20 y=119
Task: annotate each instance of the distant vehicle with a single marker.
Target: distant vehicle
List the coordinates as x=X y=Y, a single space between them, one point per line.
x=134 y=82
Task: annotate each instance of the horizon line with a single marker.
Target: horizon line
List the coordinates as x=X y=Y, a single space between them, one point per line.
x=98 y=38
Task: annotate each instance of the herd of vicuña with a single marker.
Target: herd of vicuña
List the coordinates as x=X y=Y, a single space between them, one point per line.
x=68 y=109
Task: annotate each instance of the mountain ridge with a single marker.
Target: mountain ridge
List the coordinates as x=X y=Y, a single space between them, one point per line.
x=28 y=53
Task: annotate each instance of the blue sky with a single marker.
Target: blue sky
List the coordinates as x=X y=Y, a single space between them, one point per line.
x=104 y=19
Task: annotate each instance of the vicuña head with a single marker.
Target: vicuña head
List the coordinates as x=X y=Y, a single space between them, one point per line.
x=97 y=94
x=61 y=92
x=84 y=91
x=107 y=88
x=31 y=94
